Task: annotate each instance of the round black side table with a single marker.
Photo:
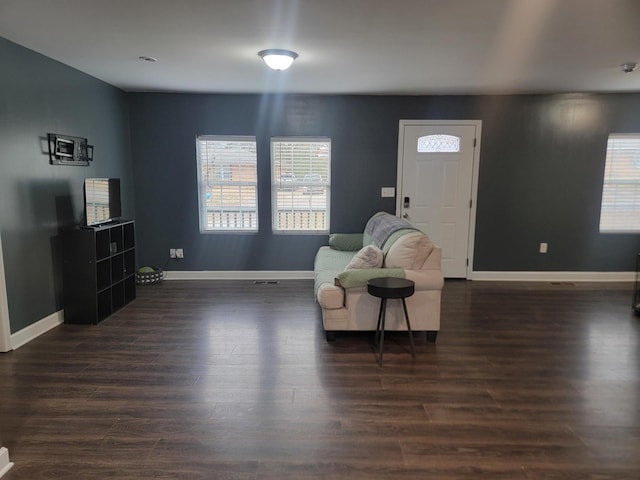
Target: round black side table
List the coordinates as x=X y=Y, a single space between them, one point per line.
x=385 y=288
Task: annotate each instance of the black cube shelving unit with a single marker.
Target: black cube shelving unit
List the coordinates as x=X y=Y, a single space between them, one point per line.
x=99 y=267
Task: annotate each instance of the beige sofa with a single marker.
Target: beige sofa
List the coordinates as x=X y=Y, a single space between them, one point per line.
x=407 y=253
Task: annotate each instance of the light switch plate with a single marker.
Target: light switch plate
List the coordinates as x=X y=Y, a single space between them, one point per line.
x=388 y=192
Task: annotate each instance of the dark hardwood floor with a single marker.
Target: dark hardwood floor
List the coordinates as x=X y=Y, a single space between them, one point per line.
x=232 y=380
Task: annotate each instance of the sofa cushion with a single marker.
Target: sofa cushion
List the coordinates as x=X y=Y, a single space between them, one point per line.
x=395 y=236
x=367 y=257
x=349 y=242
x=409 y=251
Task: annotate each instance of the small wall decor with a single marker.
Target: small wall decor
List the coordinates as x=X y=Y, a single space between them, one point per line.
x=68 y=150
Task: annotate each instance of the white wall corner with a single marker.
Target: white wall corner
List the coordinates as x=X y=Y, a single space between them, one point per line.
x=5 y=464
x=5 y=329
x=34 y=330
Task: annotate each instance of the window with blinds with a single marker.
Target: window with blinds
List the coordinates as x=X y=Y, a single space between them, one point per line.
x=300 y=184
x=620 y=208
x=227 y=183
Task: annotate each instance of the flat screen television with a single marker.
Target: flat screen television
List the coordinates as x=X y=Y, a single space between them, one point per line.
x=102 y=200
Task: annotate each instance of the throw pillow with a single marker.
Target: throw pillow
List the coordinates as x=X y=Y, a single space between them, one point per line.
x=350 y=242
x=367 y=257
x=409 y=251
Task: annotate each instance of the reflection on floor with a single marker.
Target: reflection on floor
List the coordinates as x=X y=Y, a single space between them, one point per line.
x=233 y=380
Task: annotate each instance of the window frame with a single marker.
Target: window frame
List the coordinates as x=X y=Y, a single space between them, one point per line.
x=615 y=159
x=298 y=185
x=222 y=180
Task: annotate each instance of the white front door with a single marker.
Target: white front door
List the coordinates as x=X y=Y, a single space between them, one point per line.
x=437 y=179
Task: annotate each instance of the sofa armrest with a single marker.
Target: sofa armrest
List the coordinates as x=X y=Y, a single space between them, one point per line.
x=360 y=277
x=330 y=296
x=434 y=260
x=426 y=279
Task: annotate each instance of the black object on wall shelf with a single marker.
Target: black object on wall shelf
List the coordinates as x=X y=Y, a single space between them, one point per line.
x=68 y=150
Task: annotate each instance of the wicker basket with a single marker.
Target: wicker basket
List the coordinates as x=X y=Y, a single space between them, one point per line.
x=149 y=278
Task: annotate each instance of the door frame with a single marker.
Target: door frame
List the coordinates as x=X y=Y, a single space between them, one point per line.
x=474 y=172
x=5 y=328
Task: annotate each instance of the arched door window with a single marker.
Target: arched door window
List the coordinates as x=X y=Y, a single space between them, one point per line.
x=438 y=144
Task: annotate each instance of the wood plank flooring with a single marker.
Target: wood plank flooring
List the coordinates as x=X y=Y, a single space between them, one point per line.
x=233 y=380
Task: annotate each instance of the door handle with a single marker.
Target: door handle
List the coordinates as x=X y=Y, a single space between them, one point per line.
x=405 y=215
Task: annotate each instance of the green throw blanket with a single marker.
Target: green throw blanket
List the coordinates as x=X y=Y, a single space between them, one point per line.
x=359 y=278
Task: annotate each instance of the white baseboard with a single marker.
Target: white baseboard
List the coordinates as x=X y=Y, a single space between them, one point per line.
x=480 y=276
x=34 y=330
x=239 y=275
x=5 y=464
x=554 y=276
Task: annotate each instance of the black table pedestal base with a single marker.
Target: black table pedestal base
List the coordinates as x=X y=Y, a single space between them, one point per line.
x=387 y=288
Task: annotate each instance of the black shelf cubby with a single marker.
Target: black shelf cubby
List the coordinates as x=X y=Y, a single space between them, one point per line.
x=102 y=240
x=117 y=268
x=117 y=296
x=103 y=274
x=117 y=243
x=129 y=289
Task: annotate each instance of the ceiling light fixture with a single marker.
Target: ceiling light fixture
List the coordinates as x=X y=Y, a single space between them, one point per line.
x=629 y=67
x=277 y=59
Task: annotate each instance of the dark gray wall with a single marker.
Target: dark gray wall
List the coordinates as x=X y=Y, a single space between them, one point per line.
x=37 y=96
x=164 y=130
x=541 y=168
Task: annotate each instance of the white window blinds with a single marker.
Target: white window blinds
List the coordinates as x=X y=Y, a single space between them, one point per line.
x=300 y=184
x=227 y=183
x=620 y=208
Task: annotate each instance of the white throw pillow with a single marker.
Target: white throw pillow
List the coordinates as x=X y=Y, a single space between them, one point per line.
x=409 y=251
x=367 y=257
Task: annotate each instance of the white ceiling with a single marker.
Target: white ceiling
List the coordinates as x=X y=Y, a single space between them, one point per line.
x=345 y=46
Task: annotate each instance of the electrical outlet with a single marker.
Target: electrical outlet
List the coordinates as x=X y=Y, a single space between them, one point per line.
x=544 y=246
x=179 y=253
x=172 y=253
x=386 y=192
